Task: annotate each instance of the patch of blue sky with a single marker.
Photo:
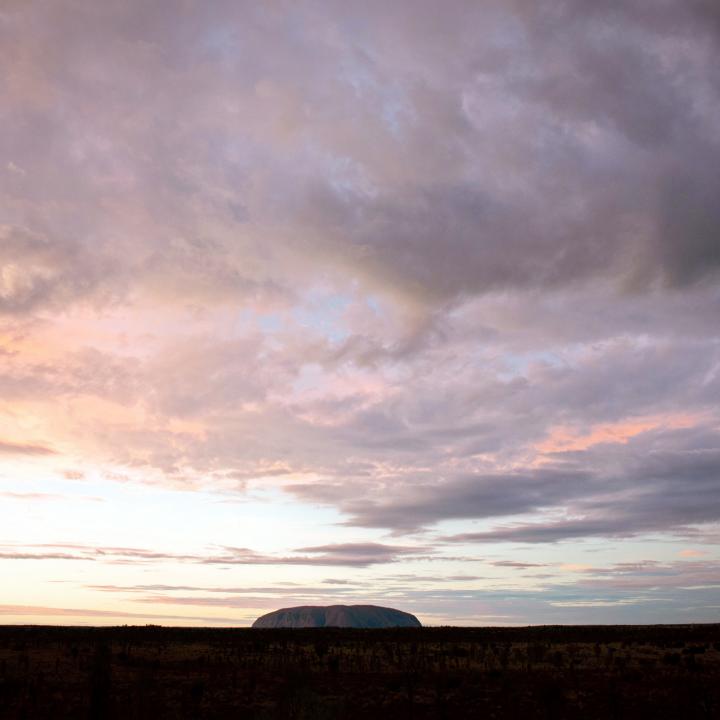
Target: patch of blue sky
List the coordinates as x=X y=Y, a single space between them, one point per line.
x=394 y=107
x=348 y=177
x=357 y=74
x=219 y=42
x=270 y=323
x=518 y=364
x=374 y=304
x=397 y=112
x=323 y=313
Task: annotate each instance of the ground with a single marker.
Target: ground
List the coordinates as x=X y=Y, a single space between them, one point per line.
x=546 y=672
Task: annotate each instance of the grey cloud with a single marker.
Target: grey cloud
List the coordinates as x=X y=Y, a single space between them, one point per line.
x=422 y=174
x=408 y=156
x=554 y=531
x=517 y=565
x=413 y=505
x=588 y=108
x=659 y=481
x=653 y=574
x=347 y=554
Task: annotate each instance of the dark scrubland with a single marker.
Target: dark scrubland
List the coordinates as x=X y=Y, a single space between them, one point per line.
x=536 y=672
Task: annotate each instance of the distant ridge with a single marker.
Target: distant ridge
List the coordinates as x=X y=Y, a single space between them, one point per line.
x=345 y=616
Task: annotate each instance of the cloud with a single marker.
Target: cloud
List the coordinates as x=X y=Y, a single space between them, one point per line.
x=423 y=173
x=344 y=554
x=289 y=588
x=651 y=575
x=11 y=448
x=655 y=481
x=624 y=592
x=361 y=554
x=414 y=505
x=39 y=556
x=35 y=610
x=30 y=496
x=441 y=286
x=689 y=553
x=37 y=272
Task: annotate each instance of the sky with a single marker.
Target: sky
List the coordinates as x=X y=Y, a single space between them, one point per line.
x=414 y=304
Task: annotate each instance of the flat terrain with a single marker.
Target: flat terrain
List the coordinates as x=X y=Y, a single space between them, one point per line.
x=545 y=672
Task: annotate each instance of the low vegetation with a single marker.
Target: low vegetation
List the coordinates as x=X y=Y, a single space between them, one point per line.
x=545 y=672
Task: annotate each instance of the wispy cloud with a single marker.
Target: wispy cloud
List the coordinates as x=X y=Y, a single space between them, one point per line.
x=10 y=448
x=344 y=554
x=60 y=613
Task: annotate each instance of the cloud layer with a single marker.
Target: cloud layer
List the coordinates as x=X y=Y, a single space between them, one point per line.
x=441 y=269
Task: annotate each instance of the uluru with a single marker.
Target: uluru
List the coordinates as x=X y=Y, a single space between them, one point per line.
x=345 y=616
